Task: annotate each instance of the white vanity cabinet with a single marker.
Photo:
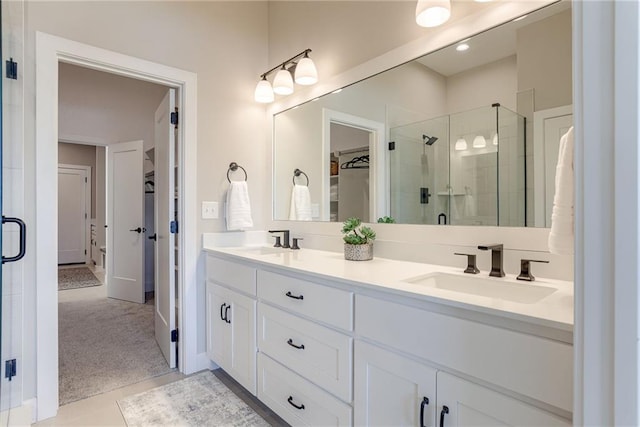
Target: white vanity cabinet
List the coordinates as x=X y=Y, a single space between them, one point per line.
x=391 y=389
x=231 y=320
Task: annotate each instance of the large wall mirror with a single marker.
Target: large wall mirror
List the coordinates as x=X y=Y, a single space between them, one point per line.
x=466 y=135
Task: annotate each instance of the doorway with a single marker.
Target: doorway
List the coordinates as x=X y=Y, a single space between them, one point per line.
x=50 y=51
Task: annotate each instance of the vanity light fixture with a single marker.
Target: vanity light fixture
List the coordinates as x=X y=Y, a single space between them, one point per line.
x=462 y=47
x=305 y=74
x=431 y=13
x=461 y=144
x=479 y=142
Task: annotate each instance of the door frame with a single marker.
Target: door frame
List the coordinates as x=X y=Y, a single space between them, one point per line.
x=87 y=207
x=379 y=169
x=538 y=158
x=50 y=50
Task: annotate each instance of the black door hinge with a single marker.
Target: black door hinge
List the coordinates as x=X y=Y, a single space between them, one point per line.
x=174 y=118
x=174 y=335
x=12 y=69
x=173 y=227
x=10 y=369
x=392 y=145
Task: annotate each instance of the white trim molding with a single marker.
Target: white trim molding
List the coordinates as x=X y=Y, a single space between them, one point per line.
x=606 y=115
x=50 y=50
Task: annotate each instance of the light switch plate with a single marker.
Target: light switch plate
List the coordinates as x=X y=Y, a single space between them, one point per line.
x=210 y=210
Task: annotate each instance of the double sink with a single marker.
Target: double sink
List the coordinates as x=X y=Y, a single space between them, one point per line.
x=496 y=288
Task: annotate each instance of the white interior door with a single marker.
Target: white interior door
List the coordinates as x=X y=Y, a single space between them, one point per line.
x=125 y=221
x=549 y=126
x=165 y=213
x=72 y=215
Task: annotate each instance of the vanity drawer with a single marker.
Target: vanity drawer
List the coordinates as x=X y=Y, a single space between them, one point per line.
x=231 y=274
x=319 y=354
x=280 y=389
x=329 y=305
x=527 y=364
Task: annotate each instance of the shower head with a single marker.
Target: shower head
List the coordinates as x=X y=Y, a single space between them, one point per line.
x=429 y=140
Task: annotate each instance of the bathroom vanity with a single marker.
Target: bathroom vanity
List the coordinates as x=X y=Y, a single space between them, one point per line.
x=323 y=341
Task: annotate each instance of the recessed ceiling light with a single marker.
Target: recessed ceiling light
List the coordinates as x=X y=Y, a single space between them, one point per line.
x=337 y=90
x=520 y=18
x=462 y=47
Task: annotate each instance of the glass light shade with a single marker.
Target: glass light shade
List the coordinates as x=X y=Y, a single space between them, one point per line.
x=431 y=13
x=461 y=144
x=495 y=139
x=306 y=73
x=479 y=142
x=264 y=92
x=283 y=83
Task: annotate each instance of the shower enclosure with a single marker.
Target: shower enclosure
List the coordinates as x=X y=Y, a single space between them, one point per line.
x=466 y=168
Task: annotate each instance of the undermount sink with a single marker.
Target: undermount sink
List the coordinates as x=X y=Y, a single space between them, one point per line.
x=525 y=293
x=264 y=250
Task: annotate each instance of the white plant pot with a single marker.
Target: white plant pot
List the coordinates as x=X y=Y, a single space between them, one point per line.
x=358 y=252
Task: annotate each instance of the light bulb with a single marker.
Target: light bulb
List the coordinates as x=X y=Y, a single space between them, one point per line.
x=306 y=73
x=264 y=91
x=462 y=47
x=479 y=142
x=283 y=83
x=461 y=144
x=431 y=13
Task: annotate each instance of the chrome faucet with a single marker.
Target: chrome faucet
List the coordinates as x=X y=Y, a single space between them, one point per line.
x=496 y=258
x=285 y=234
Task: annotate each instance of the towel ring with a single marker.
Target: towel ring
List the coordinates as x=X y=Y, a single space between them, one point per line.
x=233 y=166
x=298 y=172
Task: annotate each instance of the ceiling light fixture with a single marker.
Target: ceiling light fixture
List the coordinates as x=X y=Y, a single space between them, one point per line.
x=305 y=74
x=461 y=144
x=479 y=142
x=431 y=13
x=462 y=47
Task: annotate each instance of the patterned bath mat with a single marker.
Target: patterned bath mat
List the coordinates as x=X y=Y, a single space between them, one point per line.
x=200 y=400
x=74 y=278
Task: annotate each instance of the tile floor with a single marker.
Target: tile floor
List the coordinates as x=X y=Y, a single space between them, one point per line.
x=102 y=410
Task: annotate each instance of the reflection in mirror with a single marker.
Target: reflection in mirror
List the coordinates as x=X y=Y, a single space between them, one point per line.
x=455 y=137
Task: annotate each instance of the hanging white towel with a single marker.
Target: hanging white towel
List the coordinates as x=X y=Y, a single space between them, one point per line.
x=470 y=207
x=238 y=206
x=561 y=234
x=300 y=203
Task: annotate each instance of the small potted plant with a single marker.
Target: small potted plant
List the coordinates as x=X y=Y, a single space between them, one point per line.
x=358 y=240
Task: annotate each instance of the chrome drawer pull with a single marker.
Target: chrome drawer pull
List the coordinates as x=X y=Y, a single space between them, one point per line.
x=290 y=295
x=299 y=347
x=290 y=400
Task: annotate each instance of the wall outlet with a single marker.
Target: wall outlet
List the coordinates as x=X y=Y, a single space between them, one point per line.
x=210 y=210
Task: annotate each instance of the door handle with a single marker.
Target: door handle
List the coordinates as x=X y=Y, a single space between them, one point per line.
x=222 y=311
x=226 y=314
x=290 y=400
x=139 y=230
x=425 y=402
x=23 y=239
x=290 y=295
x=154 y=237
x=445 y=410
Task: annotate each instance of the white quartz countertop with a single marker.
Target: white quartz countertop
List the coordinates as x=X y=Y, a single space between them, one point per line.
x=554 y=310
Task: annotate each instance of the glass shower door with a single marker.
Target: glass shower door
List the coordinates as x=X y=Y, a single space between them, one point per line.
x=12 y=243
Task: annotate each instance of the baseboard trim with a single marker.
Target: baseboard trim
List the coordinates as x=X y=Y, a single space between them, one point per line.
x=23 y=415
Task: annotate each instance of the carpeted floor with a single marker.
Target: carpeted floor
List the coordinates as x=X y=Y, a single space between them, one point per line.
x=105 y=344
x=74 y=278
x=200 y=400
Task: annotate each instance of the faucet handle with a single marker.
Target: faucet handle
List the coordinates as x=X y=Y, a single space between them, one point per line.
x=277 y=244
x=294 y=245
x=525 y=269
x=472 y=268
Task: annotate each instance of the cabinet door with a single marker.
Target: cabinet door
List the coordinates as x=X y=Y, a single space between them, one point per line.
x=218 y=332
x=241 y=320
x=462 y=403
x=390 y=390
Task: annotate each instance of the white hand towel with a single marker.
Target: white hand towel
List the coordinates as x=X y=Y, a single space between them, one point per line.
x=300 y=203
x=238 y=206
x=561 y=234
x=470 y=207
